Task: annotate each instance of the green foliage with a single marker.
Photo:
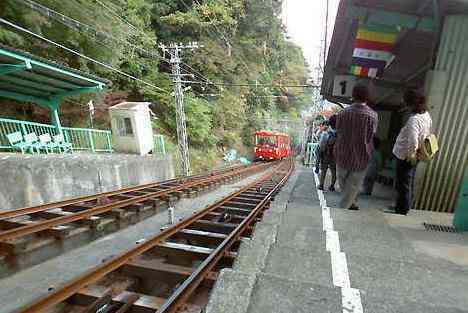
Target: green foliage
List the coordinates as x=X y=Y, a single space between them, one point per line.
x=199 y=115
x=243 y=42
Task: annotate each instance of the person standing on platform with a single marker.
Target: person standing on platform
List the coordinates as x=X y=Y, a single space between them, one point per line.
x=356 y=126
x=327 y=162
x=323 y=129
x=406 y=149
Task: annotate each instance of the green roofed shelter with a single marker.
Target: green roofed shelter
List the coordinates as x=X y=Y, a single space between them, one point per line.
x=28 y=78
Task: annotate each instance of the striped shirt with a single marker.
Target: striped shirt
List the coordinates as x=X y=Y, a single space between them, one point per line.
x=356 y=126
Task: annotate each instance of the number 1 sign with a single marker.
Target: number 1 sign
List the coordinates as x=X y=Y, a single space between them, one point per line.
x=343 y=85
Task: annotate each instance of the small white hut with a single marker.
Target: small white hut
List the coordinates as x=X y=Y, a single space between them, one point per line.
x=132 y=131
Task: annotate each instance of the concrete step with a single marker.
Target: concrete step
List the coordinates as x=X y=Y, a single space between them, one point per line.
x=273 y=294
x=363 y=216
x=303 y=206
x=396 y=280
x=305 y=194
x=307 y=265
x=309 y=216
x=300 y=237
x=232 y=292
x=305 y=186
x=400 y=305
x=379 y=246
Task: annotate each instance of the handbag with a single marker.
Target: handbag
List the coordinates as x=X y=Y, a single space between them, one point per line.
x=428 y=149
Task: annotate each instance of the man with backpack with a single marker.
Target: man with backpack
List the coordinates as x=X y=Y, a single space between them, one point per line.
x=320 y=134
x=326 y=147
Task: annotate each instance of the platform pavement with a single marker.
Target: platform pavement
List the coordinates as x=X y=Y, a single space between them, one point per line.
x=286 y=267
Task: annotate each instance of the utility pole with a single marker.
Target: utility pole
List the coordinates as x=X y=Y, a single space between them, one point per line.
x=326 y=35
x=91 y=113
x=325 y=42
x=175 y=50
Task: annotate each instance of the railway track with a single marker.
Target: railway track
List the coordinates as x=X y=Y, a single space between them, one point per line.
x=174 y=270
x=31 y=235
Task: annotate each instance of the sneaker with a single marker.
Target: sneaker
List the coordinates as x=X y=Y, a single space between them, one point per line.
x=320 y=187
x=332 y=188
x=353 y=208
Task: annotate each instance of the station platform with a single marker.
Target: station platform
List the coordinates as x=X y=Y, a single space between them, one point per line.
x=308 y=256
x=29 y=180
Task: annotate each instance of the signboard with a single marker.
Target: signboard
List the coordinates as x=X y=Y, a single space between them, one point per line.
x=343 y=85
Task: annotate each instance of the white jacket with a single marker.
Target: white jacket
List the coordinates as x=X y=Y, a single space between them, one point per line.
x=412 y=135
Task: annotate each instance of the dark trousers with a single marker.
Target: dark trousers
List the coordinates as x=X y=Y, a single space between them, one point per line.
x=369 y=180
x=317 y=162
x=323 y=173
x=405 y=174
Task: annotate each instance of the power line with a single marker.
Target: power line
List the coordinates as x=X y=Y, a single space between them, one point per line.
x=72 y=23
x=209 y=82
x=109 y=67
x=92 y=32
x=98 y=36
x=255 y=85
x=116 y=16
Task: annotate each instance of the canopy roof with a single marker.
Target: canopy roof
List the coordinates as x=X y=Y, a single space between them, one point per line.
x=419 y=24
x=25 y=77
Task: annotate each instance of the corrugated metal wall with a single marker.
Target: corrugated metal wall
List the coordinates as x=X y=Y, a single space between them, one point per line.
x=443 y=176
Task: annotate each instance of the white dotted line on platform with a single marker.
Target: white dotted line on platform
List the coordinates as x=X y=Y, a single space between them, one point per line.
x=350 y=297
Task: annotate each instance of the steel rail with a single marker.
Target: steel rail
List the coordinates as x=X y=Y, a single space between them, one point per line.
x=40 y=208
x=183 y=292
x=34 y=228
x=96 y=274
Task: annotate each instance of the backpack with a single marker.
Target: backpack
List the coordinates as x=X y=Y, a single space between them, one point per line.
x=429 y=148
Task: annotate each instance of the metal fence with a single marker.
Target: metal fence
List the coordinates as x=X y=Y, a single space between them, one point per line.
x=159 y=145
x=309 y=155
x=81 y=139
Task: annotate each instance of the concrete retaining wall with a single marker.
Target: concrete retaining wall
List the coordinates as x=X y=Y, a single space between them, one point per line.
x=27 y=180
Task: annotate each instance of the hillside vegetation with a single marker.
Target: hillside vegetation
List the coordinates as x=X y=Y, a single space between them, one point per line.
x=243 y=43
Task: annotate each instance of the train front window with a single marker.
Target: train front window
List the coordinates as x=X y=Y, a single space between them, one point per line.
x=266 y=141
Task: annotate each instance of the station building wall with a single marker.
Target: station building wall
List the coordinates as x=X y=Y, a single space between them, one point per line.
x=439 y=182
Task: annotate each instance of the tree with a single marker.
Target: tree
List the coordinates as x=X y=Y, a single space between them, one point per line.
x=243 y=43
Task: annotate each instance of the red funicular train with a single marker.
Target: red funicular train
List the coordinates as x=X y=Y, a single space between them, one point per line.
x=271 y=145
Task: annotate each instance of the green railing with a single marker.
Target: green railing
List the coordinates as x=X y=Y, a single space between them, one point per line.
x=88 y=139
x=8 y=126
x=309 y=157
x=159 y=145
x=81 y=139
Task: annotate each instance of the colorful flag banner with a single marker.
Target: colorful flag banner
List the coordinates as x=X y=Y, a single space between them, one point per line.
x=364 y=71
x=372 y=49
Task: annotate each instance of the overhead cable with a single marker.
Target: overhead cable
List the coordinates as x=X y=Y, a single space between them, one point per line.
x=81 y=27
x=109 y=67
x=255 y=85
x=116 y=16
